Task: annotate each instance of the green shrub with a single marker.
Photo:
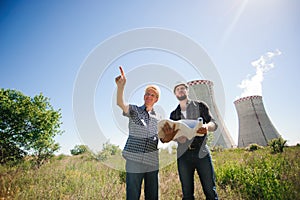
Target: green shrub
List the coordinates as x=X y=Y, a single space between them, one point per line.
x=107 y=151
x=253 y=147
x=79 y=149
x=277 y=145
x=122 y=176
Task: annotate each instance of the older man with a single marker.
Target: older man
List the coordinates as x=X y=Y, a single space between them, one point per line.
x=140 y=150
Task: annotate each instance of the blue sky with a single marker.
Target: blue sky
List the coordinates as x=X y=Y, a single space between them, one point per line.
x=43 y=45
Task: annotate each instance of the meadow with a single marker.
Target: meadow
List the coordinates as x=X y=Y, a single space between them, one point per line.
x=240 y=174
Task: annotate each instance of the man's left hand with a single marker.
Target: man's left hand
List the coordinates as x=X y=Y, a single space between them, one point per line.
x=202 y=130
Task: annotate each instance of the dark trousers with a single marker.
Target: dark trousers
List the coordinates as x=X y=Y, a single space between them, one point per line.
x=187 y=164
x=135 y=174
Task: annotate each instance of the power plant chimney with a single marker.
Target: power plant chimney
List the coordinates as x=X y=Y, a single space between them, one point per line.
x=202 y=90
x=254 y=123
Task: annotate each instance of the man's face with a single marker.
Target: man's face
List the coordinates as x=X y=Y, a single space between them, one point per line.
x=181 y=92
x=150 y=97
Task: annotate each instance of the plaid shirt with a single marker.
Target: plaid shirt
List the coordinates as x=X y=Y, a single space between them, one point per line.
x=141 y=145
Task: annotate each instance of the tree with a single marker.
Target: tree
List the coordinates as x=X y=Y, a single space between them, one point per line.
x=107 y=151
x=27 y=126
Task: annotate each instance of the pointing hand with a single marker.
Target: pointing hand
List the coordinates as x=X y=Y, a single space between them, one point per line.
x=121 y=79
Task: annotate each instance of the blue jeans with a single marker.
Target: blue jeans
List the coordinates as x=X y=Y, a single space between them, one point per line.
x=135 y=173
x=187 y=164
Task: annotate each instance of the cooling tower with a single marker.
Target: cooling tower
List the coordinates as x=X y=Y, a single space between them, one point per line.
x=254 y=123
x=202 y=90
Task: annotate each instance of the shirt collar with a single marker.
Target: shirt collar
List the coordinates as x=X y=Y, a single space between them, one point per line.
x=152 y=112
x=143 y=107
x=188 y=102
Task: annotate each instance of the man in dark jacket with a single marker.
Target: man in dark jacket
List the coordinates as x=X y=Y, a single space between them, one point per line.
x=193 y=154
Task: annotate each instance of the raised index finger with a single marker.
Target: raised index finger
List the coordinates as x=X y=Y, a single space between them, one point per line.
x=121 y=70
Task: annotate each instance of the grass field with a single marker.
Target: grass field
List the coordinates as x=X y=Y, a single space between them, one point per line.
x=240 y=174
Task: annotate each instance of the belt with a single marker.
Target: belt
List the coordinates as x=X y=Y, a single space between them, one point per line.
x=192 y=148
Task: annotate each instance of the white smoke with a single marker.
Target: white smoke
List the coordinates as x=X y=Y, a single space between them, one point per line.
x=253 y=85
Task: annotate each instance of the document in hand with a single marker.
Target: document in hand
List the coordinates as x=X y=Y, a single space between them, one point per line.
x=187 y=128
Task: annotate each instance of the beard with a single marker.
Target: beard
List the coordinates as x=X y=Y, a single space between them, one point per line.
x=183 y=97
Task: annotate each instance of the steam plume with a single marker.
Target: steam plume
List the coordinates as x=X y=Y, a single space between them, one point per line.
x=253 y=85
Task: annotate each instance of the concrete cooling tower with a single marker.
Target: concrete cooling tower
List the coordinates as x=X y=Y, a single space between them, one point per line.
x=254 y=123
x=202 y=90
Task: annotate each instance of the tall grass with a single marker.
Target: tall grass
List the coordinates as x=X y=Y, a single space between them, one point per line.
x=76 y=177
x=260 y=174
x=240 y=175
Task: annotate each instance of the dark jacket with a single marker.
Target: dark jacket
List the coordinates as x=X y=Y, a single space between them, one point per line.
x=194 y=110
